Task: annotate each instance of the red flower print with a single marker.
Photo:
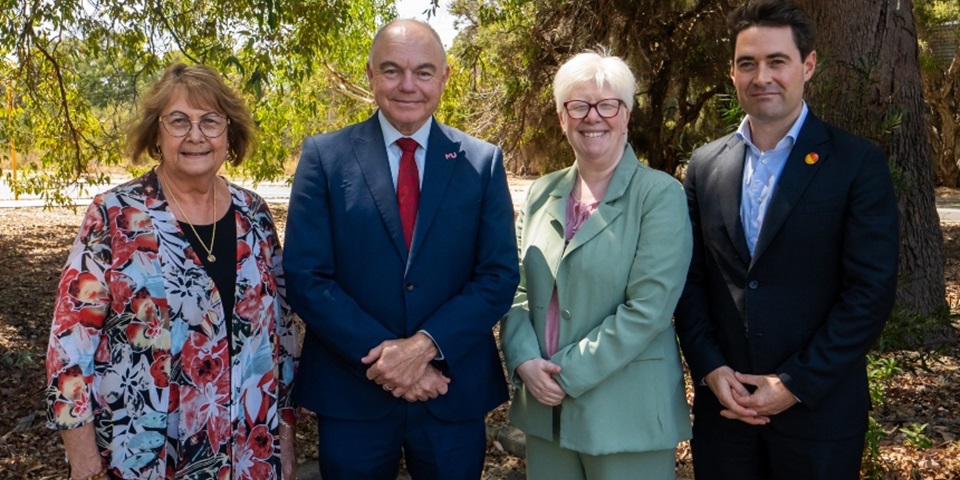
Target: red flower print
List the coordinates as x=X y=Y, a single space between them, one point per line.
x=256 y=403
x=92 y=316
x=243 y=226
x=206 y=369
x=174 y=397
x=86 y=288
x=204 y=403
x=74 y=400
x=81 y=405
x=253 y=454
x=125 y=246
x=191 y=255
x=120 y=290
x=137 y=336
x=134 y=221
x=122 y=250
x=147 y=242
x=91 y=223
x=65 y=317
x=54 y=358
x=155 y=326
x=143 y=307
x=260 y=442
x=71 y=382
x=63 y=413
x=243 y=251
x=204 y=409
x=250 y=304
x=67 y=278
x=160 y=369
x=103 y=351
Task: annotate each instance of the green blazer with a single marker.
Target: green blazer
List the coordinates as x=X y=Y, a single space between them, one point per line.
x=618 y=282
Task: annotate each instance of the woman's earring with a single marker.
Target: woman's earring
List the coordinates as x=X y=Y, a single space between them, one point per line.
x=159 y=153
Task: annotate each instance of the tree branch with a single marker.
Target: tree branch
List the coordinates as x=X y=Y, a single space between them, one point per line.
x=349 y=88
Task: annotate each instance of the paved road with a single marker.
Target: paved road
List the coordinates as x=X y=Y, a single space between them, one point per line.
x=279 y=192
x=272 y=192
x=949 y=210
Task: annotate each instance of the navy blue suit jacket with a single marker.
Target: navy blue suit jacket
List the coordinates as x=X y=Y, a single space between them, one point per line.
x=812 y=299
x=350 y=277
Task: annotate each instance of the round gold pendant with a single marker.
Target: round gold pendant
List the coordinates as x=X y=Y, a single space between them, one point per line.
x=211 y=258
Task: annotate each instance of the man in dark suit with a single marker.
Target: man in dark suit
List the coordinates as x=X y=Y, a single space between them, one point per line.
x=793 y=272
x=400 y=258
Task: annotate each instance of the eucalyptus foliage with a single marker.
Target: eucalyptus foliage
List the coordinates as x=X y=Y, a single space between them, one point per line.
x=676 y=49
x=72 y=70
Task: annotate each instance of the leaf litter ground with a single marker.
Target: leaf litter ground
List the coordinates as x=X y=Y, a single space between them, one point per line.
x=34 y=244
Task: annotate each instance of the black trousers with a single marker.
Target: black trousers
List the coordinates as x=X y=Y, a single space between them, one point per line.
x=733 y=450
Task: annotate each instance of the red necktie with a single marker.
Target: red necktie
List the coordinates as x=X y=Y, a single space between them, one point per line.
x=408 y=187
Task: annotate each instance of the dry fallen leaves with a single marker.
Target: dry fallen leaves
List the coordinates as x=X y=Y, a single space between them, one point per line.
x=33 y=248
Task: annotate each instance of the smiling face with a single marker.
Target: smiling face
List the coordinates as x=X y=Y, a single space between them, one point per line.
x=769 y=75
x=597 y=141
x=407 y=74
x=193 y=155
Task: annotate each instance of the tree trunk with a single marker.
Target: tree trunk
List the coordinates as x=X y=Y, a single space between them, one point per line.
x=942 y=89
x=869 y=83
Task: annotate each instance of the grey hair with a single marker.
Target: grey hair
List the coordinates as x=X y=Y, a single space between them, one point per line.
x=600 y=68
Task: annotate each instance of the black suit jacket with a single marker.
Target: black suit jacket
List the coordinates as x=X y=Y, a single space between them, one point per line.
x=811 y=301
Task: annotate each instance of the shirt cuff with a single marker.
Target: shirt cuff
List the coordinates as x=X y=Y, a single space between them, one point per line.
x=439 y=357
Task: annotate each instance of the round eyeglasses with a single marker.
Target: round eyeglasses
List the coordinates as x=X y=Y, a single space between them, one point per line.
x=606 y=108
x=179 y=125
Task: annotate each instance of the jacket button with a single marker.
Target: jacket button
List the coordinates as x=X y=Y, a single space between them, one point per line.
x=409 y=287
x=753 y=284
x=565 y=314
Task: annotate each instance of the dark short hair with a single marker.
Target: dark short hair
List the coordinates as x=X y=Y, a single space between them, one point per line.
x=774 y=13
x=203 y=86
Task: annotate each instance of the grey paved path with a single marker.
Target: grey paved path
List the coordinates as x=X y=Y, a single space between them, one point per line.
x=279 y=192
x=949 y=210
x=272 y=192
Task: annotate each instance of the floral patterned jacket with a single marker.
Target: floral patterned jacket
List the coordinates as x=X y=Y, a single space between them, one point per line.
x=139 y=343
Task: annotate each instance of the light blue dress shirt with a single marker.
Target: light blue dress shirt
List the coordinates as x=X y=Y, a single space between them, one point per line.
x=761 y=170
x=391 y=135
x=422 y=135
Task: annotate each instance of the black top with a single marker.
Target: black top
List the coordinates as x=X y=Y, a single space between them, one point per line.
x=224 y=269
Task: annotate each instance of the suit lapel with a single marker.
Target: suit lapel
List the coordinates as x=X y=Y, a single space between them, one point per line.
x=371 y=158
x=793 y=181
x=607 y=211
x=552 y=240
x=441 y=159
x=729 y=181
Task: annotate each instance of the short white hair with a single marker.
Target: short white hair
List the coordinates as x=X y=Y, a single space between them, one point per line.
x=599 y=68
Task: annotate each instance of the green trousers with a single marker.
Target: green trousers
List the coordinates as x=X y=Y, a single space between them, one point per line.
x=547 y=460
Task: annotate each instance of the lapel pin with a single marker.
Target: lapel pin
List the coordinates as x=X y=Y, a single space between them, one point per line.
x=450 y=155
x=811 y=158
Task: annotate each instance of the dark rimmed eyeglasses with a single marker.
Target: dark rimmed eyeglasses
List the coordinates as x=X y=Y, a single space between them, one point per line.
x=606 y=108
x=179 y=125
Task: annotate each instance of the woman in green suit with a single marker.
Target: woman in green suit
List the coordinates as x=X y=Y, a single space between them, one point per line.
x=589 y=342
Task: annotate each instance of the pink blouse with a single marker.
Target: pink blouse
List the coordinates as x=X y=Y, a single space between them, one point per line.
x=577 y=215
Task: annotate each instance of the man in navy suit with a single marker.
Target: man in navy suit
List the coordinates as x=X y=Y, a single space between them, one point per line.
x=399 y=357
x=793 y=273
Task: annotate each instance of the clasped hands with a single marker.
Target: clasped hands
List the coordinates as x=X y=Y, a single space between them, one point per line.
x=538 y=375
x=403 y=368
x=770 y=397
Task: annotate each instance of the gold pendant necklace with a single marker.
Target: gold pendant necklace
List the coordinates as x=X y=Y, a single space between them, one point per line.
x=210 y=256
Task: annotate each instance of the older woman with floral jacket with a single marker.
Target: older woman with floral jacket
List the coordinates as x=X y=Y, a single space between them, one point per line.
x=172 y=350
